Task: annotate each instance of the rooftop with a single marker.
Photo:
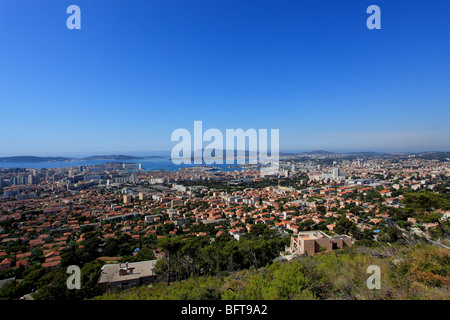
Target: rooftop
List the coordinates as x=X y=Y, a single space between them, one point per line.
x=111 y=272
x=309 y=235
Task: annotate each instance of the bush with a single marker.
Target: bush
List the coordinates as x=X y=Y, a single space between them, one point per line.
x=418 y=272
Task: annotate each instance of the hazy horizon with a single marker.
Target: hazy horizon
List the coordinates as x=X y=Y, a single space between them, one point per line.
x=167 y=153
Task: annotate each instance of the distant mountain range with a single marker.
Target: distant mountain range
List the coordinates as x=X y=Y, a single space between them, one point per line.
x=442 y=155
x=34 y=159
x=320 y=152
x=114 y=157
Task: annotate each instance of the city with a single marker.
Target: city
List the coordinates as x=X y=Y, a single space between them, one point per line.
x=116 y=214
x=199 y=158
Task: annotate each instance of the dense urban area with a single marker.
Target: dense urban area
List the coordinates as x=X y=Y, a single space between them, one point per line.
x=308 y=232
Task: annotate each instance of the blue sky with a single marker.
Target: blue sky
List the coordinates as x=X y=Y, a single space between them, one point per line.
x=139 y=69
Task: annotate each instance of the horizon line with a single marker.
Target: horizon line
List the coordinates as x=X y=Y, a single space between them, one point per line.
x=167 y=153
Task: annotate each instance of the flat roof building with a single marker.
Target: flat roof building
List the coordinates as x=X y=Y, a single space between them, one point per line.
x=312 y=242
x=126 y=275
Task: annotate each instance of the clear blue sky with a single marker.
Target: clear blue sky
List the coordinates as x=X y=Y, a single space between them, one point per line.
x=139 y=69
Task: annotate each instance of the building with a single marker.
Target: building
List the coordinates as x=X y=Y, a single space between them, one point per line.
x=26 y=196
x=17 y=181
x=151 y=218
x=127 y=198
x=121 y=217
x=335 y=173
x=171 y=212
x=6 y=264
x=10 y=193
x=157 y=180
x=126 y=275
x=31 y=179
x=129 y=166
x=179 y=187
x=312 y=242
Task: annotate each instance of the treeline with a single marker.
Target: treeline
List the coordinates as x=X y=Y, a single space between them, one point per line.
x=417 y=272
x=198 y=256
x=423 y=201
x=51 y=283
x=184 y=258
x=121 y=245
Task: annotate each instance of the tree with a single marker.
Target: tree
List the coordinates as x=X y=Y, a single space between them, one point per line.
x=90 y=250
x=37 y=255
x=171 y=246
x=53 y=285
x=190 y=252
x=321 y=209
x=111 y=247
x=258 y=229
x=344 y=226
x=422 y=201
x=391 y=234
x=306 y=225
x=165 y=229
x=143 y=254
x=70 y=256
x=8 y=291
x=356 y=210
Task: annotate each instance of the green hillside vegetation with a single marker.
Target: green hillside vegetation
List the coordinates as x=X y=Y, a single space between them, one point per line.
x=421 y=271
x=422 y=201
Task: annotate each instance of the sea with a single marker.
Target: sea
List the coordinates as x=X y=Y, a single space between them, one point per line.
x=149 y=164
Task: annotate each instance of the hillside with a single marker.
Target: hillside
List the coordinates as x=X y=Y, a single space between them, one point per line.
x=112 y=157
x=417 y=272
x=32 y=159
